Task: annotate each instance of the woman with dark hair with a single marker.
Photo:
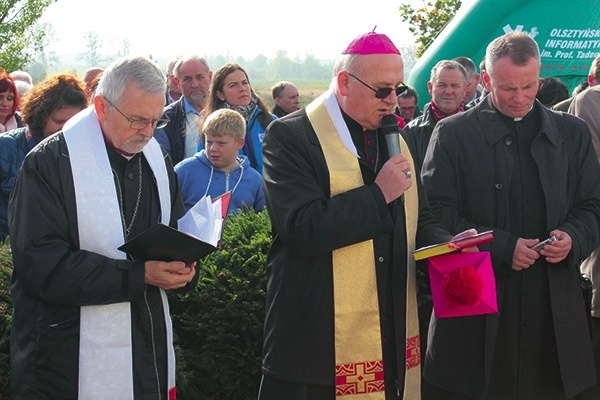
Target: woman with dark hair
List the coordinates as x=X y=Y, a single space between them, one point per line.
x=9 y=103
x=230 y=88
x=45 y=109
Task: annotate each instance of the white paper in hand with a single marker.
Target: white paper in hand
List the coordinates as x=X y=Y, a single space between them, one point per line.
x=203 y=221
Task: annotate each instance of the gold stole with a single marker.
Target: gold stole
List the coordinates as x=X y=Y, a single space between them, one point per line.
x=358 y=354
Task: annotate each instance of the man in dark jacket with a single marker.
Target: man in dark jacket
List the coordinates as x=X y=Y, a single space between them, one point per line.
x=341 y=302
x=446 y=86
x=286 y=98
x=511 y=165
x=181 y=136
x=90 y=322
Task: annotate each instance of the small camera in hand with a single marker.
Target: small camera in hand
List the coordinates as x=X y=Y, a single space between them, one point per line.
x=541 y=245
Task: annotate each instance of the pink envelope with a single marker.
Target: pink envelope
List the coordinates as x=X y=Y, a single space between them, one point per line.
x=483 y=298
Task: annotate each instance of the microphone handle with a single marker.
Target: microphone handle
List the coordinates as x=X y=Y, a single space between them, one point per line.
x=393 y=144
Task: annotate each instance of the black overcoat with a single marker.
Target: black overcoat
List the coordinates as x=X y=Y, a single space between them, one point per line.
x=308 y=224
x=466 y=175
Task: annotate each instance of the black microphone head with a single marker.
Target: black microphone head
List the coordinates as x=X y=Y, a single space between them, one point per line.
x=389 y=124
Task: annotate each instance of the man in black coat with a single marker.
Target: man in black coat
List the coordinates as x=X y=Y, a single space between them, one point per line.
x=446 y=86
x=90 y=322
x=343 y=239
x=528 y=173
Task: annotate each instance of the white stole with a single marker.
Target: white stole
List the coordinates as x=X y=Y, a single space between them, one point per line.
x=105 y=349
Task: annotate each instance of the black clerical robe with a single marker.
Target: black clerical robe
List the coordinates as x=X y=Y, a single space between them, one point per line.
x=481 y=172
x=308 y=224
x=53 y=277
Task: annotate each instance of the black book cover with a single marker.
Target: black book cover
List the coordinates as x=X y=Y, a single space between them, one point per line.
x=163 y=243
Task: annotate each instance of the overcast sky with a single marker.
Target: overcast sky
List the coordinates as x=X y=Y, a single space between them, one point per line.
x=238 y=27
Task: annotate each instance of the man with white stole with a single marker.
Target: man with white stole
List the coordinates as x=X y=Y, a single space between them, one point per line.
x=90 y=322
x=341 y=305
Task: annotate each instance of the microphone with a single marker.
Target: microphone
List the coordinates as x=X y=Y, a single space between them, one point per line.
x=389 y=127
x=391 y=130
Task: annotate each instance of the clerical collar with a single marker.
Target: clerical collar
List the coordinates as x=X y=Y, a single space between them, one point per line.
x=366 y=142
x=518 y=119
x=128 y=156
x=529 y=120
x=354 y=127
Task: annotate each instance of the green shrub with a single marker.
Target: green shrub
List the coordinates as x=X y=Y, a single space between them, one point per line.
x=219 y=325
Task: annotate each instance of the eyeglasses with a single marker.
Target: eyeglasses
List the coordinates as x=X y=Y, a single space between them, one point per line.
x=139 y=124
x=382 y=93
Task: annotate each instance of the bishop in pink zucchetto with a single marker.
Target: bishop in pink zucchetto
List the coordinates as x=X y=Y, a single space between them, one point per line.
x=372 y=43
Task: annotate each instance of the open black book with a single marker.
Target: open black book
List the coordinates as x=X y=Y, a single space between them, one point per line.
x=164 y=243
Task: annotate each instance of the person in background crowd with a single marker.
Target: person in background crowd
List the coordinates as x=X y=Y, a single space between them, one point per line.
x=446 y=86
x=286 y=98
x=9 y=103
x=45 y=109
x=231 y=89
x=90 y=321
x=552 y=90
x=181 y=136
x=93 y=87
x=592 y=80
x=88 y=77
x=341 y=291
x=21 y=76
x=473 y=78
x=512 y=166
x=586 y=106
x=408 y=108
x=173 y=92
x=218 y=168
x=22 y=88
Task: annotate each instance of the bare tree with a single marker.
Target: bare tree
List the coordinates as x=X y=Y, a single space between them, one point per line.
x=41 y=53
x=93 y=54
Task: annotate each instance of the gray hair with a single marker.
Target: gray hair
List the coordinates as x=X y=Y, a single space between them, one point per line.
x=184 y=59
x=595 y=68
x=519 y=46
x=22 y=87
x=344 y=63
x=447 y=64
x=277 y=88
x=21 y=76
x=467 y=64
x=171 y=65
x=139 y=71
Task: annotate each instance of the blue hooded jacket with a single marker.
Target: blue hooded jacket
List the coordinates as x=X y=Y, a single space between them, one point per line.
x=199 y=178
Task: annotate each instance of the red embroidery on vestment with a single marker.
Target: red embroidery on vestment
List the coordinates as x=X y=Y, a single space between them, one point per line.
x=359 y=378
x=413 y=352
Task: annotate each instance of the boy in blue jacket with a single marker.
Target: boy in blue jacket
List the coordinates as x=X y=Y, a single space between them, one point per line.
x=219 y=168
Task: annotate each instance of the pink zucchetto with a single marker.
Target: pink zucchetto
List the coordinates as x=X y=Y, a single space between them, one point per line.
x=372 y=43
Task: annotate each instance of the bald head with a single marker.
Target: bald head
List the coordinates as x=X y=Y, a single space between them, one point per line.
x=88 y=77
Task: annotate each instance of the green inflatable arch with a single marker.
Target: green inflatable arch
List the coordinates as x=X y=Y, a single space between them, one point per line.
x=567 y=32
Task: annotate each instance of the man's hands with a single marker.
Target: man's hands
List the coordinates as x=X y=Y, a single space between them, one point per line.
x=393 y=179
x=555 y=252
x=168 y=275
x=464 y=234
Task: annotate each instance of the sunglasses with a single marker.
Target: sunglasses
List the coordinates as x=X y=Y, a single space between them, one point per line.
x=383 y=93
